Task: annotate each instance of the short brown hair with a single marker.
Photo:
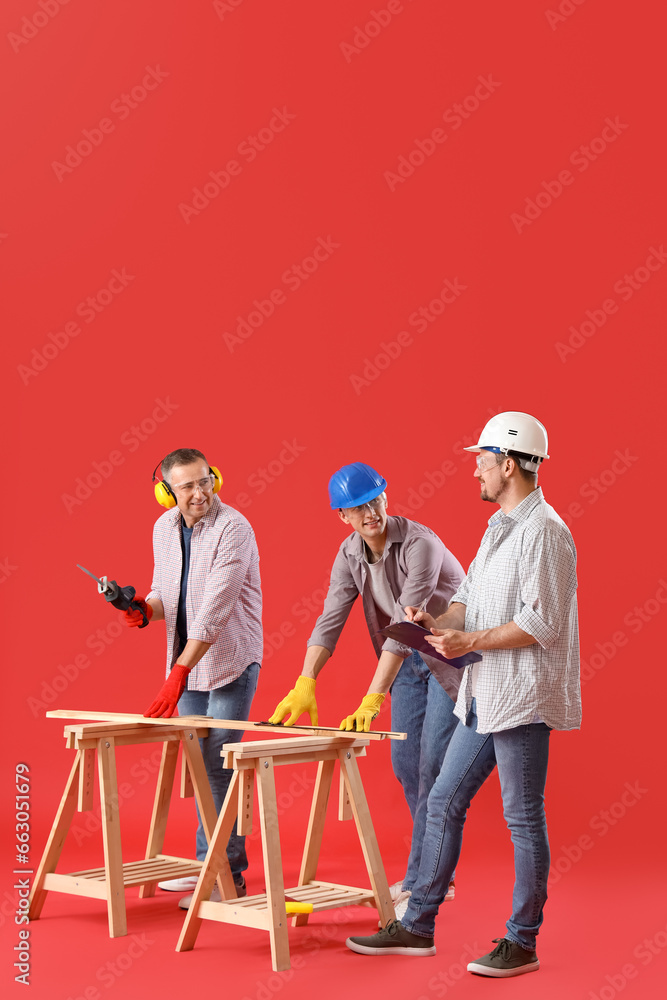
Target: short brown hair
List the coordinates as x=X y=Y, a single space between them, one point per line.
x=182 y=456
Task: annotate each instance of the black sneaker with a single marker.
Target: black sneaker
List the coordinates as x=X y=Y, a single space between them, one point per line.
x=506 y=959
x=393 y=939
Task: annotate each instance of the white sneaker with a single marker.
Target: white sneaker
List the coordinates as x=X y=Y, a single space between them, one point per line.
x=215 y=896
x=400 y=899
x=395 y=890
x=180 y=884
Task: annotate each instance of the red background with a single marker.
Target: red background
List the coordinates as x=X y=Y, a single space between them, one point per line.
x=75 y=400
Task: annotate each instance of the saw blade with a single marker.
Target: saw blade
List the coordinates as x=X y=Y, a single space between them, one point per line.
x=97 y=581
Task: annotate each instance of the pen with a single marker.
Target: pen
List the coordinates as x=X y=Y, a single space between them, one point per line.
x=422 y=607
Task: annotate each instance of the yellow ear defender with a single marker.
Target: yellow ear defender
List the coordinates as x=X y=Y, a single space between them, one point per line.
x=217 y=475
x=164 y=494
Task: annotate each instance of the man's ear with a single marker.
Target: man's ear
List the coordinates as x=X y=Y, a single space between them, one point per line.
x=342 y=516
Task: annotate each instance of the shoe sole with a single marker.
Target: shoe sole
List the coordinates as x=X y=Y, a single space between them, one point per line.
x=362 y=949
x=486 y=970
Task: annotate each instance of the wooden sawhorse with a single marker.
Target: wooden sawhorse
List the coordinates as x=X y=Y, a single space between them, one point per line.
x=109 y=881
x=269 y=911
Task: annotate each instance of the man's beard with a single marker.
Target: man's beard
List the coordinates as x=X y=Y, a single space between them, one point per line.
x=504 y=486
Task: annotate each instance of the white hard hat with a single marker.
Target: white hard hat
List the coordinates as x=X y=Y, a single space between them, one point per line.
x=515 y=432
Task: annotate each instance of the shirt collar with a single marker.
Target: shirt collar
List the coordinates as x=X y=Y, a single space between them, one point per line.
x=394 y=534
x=208 y=518
x=522 y=511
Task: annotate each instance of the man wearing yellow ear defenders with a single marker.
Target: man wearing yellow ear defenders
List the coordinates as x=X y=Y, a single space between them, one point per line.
x=206 y=589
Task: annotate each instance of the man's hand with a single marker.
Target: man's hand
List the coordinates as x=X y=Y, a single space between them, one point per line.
x=132 y=617
x=450 y=642
x=422 y=618
x=164 y=706
x=299 y=700
x=360 y=721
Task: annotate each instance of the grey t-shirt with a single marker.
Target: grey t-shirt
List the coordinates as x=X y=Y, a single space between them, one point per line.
x=380 y=588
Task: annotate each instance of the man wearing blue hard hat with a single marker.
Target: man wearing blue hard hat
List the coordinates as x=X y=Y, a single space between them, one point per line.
x=393 y=563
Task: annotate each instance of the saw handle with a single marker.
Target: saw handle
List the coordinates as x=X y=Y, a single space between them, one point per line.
x=122 y=598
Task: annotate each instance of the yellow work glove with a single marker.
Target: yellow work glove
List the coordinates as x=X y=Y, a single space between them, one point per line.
x=299 y=700
x=361 y=720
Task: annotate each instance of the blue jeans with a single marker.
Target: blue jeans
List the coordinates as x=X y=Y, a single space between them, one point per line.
x=421 y=708
x=521 y=755
x=229 y=702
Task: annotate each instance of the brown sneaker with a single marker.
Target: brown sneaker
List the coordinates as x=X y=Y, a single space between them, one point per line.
x=506 y=959
x=393 y=939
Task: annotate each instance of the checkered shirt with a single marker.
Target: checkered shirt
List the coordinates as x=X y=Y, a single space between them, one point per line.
x=524 y=571
x=224 y=600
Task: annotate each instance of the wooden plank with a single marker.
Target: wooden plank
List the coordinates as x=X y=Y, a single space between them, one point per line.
x=176 y=865
x=158 y=827
x=56 y=839
x=254 y=748
x=230 y=913
x=135 y=738
x=187 y=789
x=305 y=757
x=204 y=720
x=86 y=781
x=246 y=797
x=336 y=902
x=176 y=858
x=93 y=888
x=344 y=888
x=107 y=728
x=344 y=807
x=113 y=853
x=273 y=865
x=153 y=875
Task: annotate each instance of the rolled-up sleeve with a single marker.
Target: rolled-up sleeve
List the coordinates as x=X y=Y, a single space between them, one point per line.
x=156 y=585
x=223 y=584
x=462 y=595
x=338 y=603
x=548 y=583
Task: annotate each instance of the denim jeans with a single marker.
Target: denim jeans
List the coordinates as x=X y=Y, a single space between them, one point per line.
x=421 y=708
x=521 y=755
x=229 y=702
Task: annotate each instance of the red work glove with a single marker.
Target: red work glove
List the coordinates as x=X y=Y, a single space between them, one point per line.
x=164 y=706
x=132 y=617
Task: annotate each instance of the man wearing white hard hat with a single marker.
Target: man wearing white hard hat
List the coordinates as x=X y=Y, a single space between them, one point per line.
x=517 y=605
x=392 y=563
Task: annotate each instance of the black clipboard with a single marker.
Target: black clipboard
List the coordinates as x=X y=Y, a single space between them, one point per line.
x=413 y=635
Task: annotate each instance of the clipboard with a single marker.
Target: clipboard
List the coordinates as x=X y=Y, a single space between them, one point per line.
x=413 y=635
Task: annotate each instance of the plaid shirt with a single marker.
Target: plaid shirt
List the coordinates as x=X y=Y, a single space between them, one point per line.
x=417 y=567
x=524 y=571
x=224 y=601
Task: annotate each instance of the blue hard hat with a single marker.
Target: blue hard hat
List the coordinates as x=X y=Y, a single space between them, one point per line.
x=355 y=484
